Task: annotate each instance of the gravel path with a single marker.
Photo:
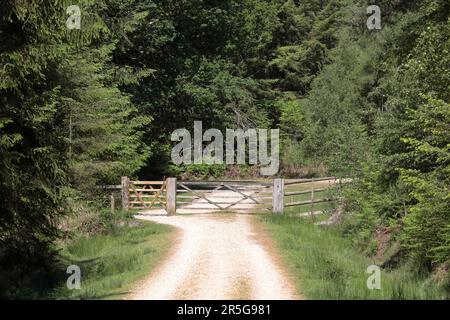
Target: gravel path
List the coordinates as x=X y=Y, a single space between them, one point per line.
x=217 y=257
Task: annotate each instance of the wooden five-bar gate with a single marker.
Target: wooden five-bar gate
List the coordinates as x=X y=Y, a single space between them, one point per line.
x=224 y=196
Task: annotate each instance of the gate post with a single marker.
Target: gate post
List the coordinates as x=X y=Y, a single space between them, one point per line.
x=125 y=191
x=171 y=195
x=278 y=196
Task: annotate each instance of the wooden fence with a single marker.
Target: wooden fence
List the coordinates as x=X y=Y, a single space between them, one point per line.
x=262 y=196
x=296 y=190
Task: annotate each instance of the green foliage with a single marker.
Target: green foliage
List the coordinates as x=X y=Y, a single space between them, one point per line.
x=100 y=125
x=427 y=226
x=32 y=166
x=198 y=171
x=111 y=262
x=208 y=60
x=334 y=108
x=298 y=65
x=328 y=266
x=114 y=261
x=376 y=108
x=63 y=121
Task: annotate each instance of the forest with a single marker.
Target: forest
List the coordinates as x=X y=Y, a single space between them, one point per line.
x=82 y=106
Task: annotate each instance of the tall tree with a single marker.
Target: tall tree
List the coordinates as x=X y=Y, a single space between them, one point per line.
x=63 y=118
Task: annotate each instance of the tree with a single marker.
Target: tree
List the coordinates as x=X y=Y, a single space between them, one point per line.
x=427 y=225
x=63 y=118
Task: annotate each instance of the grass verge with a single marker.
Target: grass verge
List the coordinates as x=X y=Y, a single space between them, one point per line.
x=111 y=263
x=328 y=267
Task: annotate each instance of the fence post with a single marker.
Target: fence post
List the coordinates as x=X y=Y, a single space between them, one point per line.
x=171 y=195
x=312 y=198
x=278 y=196
x=113 y=202
x=125 y=191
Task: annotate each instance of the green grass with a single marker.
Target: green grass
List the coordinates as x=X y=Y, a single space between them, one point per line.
x=185 y=194
x=326 y=265
x=111 y=263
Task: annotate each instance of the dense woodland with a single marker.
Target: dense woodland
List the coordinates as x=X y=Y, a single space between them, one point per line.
x=80 y=108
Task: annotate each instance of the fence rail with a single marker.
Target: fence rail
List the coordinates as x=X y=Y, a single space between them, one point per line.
x=297 y=181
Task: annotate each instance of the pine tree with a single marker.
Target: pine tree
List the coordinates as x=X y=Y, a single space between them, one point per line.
x=63 y=120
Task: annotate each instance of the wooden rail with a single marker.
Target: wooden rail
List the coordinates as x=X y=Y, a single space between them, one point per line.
x=300 y=181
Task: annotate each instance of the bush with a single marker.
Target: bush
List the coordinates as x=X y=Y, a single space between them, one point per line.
x=311 y=170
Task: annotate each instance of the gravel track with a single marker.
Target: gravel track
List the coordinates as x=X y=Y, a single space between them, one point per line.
x=217 y=257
